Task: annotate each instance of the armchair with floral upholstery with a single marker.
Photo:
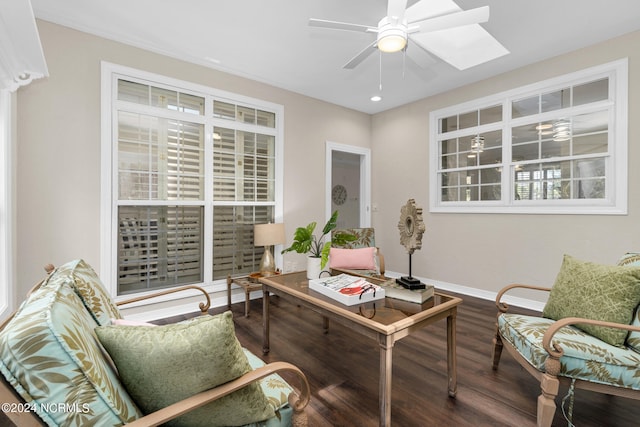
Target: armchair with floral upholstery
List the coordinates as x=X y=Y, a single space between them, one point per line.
x=588 y=336
x=360 y=256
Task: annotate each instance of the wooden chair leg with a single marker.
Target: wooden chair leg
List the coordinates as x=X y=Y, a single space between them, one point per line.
x=497 y=350
x=549 y=386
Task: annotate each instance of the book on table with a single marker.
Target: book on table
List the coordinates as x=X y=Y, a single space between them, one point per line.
x=395 y=290
x=347 y=289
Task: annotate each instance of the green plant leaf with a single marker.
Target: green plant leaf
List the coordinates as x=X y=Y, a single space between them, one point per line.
x=302 y=239
x=325 y=254
x=331 y=224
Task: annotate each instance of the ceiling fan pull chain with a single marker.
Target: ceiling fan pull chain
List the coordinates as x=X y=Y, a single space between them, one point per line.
x=404 y=61
x=380 y=68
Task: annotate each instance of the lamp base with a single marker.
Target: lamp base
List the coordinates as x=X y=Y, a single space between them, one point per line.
x=267 y=263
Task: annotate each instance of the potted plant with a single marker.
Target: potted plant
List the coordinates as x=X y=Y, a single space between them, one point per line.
x=305 y=242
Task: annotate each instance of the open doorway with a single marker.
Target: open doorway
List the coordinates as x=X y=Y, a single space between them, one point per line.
x=348 y=180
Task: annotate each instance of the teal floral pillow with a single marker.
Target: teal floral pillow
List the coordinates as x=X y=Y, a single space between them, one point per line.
x=50 y=355
x=163 y=365
x=597 y=292
x=86 y=283
x=632 y=259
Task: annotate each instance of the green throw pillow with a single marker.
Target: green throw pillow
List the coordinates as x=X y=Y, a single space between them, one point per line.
x=597 y=292
x=632 y=259
x=163 y=365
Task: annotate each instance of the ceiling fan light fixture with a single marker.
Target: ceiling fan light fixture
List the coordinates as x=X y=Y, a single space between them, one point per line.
x=392 y=40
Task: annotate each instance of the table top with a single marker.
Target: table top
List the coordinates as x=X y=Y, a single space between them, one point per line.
x=386 y=315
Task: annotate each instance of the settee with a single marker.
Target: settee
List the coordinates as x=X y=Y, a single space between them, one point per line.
x=67 y=359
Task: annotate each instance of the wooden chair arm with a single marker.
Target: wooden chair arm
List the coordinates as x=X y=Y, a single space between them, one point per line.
x=297 y=401
x=503 y=306
x=381 y=261
x=204 y=307
x=556 y=351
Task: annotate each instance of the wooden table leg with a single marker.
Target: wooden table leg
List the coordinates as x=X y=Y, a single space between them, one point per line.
x=451 y=353
x=229 y=292
x=386 y=359
x=265 y=321
x=247 y=295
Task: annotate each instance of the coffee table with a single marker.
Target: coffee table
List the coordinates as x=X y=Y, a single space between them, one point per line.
x=386 y=321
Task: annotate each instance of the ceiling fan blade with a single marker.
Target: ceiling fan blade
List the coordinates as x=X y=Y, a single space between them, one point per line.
x=421 y=57
x=335 y=25
x=396 y=10
x=462 y=47
x=364 y=53
x=457 y=19
x=425 y=9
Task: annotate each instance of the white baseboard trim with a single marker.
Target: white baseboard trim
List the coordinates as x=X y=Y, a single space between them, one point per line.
x=477 y=293
x=219 y=299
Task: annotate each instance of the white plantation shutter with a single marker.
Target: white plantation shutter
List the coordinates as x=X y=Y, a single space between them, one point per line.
x=167 y=185
x=159 y=246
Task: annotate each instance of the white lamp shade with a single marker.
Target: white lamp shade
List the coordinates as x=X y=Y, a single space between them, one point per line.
x=268 y=234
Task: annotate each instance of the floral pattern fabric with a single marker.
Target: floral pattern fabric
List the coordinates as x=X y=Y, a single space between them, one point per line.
x=50 y=355
x=86 y=283
x=277 y=392
x=365 y=238
x=585 y=357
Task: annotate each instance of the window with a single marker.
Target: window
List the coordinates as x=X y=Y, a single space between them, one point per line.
x=192 y=170
x=558 y=146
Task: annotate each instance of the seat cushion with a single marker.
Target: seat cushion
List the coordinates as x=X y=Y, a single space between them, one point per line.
x=163 y=365
x=50 y=356
x=598 y=292
x=86 y=283
x=277 y=391
x=585 y=357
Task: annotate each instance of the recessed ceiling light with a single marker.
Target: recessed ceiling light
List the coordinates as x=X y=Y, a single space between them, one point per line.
x=376 y=98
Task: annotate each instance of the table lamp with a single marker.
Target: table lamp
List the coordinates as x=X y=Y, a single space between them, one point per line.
x=268 y=235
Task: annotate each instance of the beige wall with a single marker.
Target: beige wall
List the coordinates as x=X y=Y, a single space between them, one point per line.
x=58 y=153
x=58 y=168
x=488 y=251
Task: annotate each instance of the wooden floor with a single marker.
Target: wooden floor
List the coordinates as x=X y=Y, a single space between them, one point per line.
x=342 y=369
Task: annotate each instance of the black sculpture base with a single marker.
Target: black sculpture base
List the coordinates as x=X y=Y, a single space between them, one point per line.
x=410 y=282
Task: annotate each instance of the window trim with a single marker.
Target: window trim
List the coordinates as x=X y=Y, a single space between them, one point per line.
x=7 y=289
x=109 y=174
x=615 y=204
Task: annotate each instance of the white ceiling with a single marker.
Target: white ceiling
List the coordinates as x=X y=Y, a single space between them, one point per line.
x=270 y=40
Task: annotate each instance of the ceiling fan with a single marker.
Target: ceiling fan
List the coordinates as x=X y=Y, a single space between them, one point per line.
x=437 y=26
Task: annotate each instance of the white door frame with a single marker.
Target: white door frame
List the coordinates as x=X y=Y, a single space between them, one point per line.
x=365 y=179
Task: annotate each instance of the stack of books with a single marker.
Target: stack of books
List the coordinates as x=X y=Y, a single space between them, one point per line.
x=395 y=290
x=347 y=289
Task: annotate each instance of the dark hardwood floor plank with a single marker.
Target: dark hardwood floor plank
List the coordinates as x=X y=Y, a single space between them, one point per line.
x=342 y=369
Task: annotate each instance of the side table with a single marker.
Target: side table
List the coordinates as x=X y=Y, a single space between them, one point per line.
x=245 y=283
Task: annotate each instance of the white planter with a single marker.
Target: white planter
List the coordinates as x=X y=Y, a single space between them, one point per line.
x=313 y=267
